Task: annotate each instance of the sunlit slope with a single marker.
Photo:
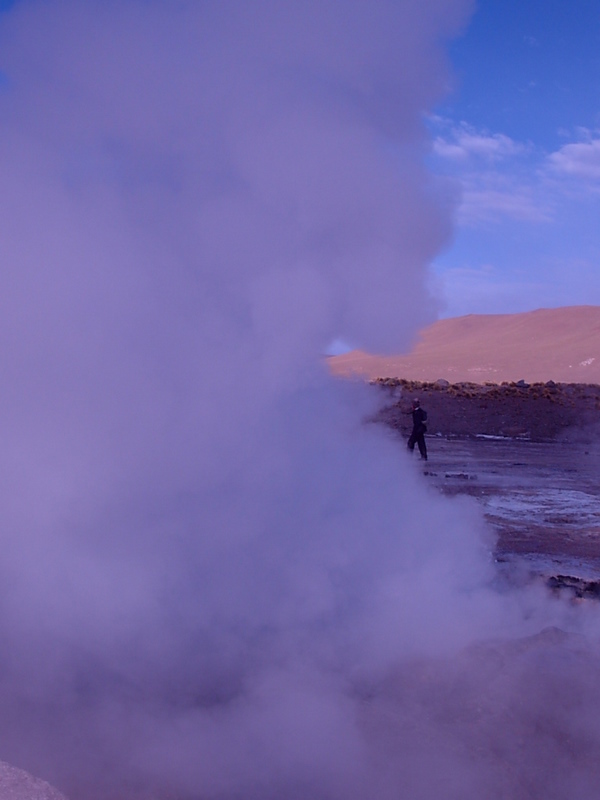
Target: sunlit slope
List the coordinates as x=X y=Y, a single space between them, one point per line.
x=559 y=344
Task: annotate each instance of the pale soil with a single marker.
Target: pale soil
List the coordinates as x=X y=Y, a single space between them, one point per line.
x=561 y=344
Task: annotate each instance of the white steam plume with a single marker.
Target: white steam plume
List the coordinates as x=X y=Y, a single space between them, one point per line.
x=208 y=563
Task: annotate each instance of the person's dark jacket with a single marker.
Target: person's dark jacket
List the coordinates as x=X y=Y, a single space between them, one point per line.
x=419 y=418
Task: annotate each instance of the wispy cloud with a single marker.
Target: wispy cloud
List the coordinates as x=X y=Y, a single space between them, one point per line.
x=463 y=142
x=531 y=210
x=494 y=171
x=502 y=178
x=579 y=160
x=485 y=287
x=484 y=202
x=495 y=288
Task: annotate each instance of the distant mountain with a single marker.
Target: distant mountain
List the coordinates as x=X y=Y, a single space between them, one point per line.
x=559 y=344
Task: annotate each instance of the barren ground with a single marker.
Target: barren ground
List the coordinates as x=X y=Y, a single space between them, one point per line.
x=538 y=412
x=562 y=344
x=529 y=456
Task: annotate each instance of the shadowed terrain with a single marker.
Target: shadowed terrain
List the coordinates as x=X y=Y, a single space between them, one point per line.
x=528 y=455
x=538 y=412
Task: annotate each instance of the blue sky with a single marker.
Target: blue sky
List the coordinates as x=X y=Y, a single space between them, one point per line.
x=521 y=134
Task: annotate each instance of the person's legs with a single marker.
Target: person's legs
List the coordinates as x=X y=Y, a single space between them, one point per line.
x=411 y=442
x=422 y=446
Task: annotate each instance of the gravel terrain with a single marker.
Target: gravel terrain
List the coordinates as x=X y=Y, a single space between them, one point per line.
x=529 y=455
x=537 y=412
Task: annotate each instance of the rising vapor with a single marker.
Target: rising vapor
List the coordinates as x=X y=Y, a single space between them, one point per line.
x=215 y=578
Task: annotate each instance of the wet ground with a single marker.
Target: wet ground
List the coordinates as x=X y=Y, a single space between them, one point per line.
x=543 y=499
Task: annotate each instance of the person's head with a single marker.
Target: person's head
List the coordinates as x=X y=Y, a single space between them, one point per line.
x=416 y=403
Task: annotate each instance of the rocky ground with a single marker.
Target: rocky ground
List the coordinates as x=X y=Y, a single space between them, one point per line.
x=538 y=412
x=529 y=455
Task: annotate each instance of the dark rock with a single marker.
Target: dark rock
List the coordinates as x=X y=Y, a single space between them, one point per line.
x=579 y=587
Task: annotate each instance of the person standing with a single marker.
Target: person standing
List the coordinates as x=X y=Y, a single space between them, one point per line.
x=419 y=417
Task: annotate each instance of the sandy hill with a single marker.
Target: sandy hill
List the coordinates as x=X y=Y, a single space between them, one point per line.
x=559 y=344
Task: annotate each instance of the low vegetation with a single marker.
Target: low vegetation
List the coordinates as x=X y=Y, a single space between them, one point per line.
x=537 y=411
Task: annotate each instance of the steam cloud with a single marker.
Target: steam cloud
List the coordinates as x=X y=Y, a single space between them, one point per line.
x=216 y=581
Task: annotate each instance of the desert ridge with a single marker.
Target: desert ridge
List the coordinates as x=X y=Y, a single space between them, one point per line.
x=557 y=344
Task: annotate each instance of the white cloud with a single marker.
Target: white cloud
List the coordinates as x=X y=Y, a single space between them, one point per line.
x=487 y=203
x=533 y=211
x=577 y=160
x=499 y=176
x=464 y=142
x=497 y=182
x=503 y=179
